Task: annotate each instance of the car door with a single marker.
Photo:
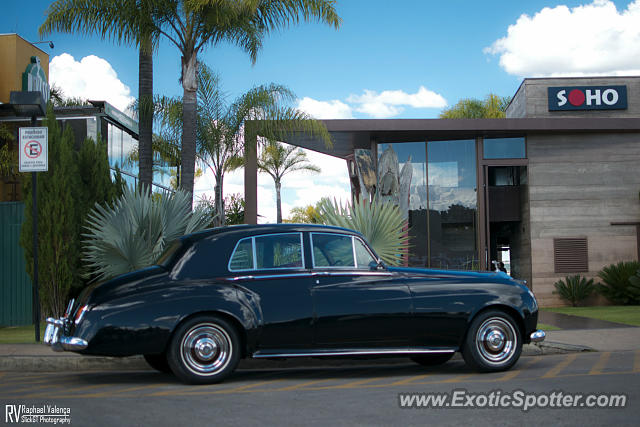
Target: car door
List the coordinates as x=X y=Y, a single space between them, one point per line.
x=271 y=267
x=355 y=306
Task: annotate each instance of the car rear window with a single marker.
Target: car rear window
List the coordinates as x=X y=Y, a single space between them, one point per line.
x=268 y=252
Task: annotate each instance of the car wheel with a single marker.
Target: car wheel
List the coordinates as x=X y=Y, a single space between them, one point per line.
x=493 y=342
x=432 y=359
x=158 y=362
x=204 y=350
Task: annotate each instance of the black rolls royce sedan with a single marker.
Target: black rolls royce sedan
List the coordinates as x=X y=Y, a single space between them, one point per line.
x=280 y=291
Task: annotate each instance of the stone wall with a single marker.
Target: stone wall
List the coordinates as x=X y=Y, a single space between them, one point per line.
x=531 y=98
x=578 y=185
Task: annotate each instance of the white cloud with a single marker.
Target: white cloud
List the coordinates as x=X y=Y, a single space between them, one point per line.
x=90 y=78
x=390 y=103
x=325 y=109
x=591 y=39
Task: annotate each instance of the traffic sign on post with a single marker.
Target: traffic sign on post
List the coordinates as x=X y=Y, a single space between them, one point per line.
x=33 y=151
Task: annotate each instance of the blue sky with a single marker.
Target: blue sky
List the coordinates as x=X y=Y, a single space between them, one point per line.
x=404 y=59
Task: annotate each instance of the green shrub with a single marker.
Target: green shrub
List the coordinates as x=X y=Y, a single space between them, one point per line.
x=133 y=233
x=617 y=287
x=574 y=289
x=634 y=285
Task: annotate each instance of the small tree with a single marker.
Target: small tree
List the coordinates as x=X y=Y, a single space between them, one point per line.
x=574 y=289
x=492 y=107
x=58 y=221
x=278 y=160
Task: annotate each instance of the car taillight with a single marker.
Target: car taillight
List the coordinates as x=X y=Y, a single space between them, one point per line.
x=80 y=313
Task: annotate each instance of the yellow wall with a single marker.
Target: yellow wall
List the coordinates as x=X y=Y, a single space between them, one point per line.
x=15 y=55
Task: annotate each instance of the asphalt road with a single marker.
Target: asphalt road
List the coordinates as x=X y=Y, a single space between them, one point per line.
x=353 y=395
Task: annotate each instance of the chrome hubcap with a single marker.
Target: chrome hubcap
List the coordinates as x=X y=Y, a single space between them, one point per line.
x=206 y=349
x=496 y=340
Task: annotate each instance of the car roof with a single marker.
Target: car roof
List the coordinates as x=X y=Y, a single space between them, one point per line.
x=244 y=230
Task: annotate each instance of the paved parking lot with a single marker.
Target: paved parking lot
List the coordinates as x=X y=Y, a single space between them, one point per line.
x=361 y=394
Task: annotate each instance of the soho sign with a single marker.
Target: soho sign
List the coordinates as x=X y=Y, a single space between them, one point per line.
x=587 y=98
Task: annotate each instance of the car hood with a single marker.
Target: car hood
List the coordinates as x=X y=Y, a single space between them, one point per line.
x=484 y=275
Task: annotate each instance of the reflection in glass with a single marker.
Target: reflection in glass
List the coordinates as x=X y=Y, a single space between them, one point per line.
x=452 y=204
x=504 y=148
x=416 y=153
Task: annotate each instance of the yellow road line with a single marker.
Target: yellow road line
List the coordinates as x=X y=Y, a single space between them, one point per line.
x=515 y=372
x=411 y=379
x=124 y=390
x=241 y=389
x=600 y=364
x=353 y=384
x=458 y=378
x=89 y=387
x=560 y=366
x=636 y=362
x=302 y=385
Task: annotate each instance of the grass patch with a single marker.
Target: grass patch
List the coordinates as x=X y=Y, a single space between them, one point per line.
x=546 y=327
x=19 y=334
x=627 y=314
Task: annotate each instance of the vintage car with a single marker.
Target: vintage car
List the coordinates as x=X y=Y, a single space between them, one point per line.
x=281 y=291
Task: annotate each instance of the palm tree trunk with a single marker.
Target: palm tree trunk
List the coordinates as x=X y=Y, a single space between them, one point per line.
x=219 y=200
x=189 y=102
x=145 y=108
x=278 y=202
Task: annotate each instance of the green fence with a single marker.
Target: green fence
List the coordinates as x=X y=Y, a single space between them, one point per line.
x=15 y=283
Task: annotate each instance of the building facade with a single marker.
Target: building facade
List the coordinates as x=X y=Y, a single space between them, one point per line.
x=551 y=190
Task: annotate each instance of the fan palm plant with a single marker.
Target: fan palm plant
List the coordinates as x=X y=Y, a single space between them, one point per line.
x=277 y=160
x=381 y=223
x=134 y=231
x=617 y=288
x=574 y=289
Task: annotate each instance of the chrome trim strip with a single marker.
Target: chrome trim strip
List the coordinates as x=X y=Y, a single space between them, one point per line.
x=538 y=336
x=270 y=276
x=313 y=353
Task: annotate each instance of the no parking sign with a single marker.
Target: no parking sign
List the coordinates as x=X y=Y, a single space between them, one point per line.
x=33 y=150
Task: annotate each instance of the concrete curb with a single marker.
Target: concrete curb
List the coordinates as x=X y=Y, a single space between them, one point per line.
x=74 y=362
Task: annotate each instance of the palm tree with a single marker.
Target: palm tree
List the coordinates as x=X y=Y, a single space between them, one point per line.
x=125 y=21
x=221 y=126
x=278 y=160
x=192 y=25
x=492 y=107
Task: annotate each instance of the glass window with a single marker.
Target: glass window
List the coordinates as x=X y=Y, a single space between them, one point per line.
x=242 y=257
x=504 y=148
x=363 y=256
x=279 y=251
x=452 y=204
x=332 y=250
x=414 y=154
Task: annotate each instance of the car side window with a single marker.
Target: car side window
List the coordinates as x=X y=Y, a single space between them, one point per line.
x=271 y=251
x=242 y=258
x=279 y=251
x=363 y=255
x=332 y=250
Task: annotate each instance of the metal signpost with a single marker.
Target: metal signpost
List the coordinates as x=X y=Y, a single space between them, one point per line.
x=33 y=153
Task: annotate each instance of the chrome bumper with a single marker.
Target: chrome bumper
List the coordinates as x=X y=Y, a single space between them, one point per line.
x=538 y=336
x=55 y=338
